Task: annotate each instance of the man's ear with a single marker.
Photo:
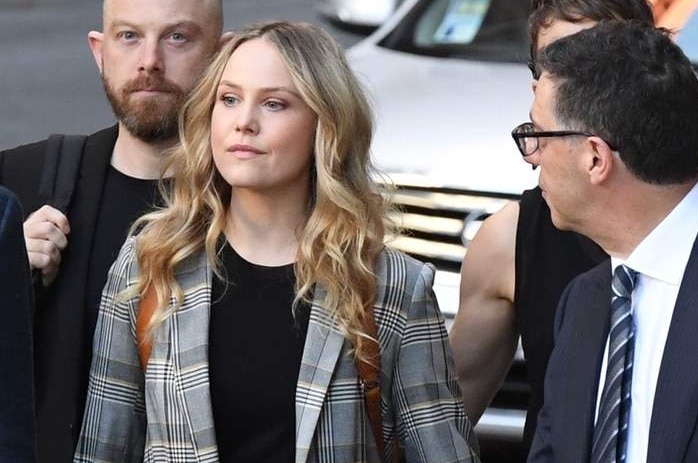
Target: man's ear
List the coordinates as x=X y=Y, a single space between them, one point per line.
x=600 y=160
x=96 y=41
x=225 y=38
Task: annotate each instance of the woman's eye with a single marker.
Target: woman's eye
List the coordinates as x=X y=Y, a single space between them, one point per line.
x=229 y=100
x=275 y=105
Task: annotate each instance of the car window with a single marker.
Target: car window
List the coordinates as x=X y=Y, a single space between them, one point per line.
x=490 y=30
x=459 y=25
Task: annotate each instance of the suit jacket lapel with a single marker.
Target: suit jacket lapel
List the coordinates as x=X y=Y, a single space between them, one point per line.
x=323 y=345
x=590 y=330
x=676 y=396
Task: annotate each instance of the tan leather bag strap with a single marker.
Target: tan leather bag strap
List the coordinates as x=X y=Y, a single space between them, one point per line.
x=146 y=308
x=369 y=372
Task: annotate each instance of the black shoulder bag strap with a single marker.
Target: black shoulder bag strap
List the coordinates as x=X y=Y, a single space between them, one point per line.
x=61 y=169
x=58 y=180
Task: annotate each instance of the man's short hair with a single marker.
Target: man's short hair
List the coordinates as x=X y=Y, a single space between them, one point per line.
x=544 y=12
x=631 y=85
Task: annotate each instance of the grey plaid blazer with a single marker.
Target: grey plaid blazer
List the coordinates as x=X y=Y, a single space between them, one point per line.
x=165 y=414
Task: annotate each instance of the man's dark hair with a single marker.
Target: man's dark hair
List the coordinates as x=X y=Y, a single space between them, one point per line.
x=631 y=85
x=544 y=12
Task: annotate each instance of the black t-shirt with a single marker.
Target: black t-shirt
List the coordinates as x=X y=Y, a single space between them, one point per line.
x=255 y=350
x=124 y=199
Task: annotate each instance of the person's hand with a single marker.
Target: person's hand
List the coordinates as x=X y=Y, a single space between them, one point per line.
x=45 y=234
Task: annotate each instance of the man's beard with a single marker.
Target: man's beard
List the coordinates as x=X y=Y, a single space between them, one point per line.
x=151 y=119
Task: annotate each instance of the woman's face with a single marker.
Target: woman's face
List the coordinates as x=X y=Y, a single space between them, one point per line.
x=261 y=129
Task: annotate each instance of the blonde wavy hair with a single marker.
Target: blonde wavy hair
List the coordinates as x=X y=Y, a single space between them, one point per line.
x=344 y=231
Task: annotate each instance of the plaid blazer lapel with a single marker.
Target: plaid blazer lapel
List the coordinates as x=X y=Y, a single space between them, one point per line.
x=185 y=352
x=323 y=345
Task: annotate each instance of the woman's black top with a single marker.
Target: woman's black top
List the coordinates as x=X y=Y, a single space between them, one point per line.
x=255 y=350
x=547 y=259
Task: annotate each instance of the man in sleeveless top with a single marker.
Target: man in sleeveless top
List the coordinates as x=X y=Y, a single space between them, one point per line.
x=149 y=56
x=518 y=264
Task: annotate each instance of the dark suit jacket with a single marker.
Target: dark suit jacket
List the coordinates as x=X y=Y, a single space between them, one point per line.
x=62 y=352
x=565 y=424
x=17 y=430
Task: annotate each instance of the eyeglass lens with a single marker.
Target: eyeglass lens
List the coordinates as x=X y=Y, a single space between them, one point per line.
x=527 y=145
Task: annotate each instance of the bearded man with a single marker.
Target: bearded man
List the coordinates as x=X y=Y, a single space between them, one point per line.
x=149 y=56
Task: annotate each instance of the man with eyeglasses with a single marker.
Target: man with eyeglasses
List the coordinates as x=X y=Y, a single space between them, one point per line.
x=526 y=137
x=614 y=131
x=518 y=264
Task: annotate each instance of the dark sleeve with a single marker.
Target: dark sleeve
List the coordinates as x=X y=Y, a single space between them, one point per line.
x=20 y=171
x=16 y=360
x=541 y=448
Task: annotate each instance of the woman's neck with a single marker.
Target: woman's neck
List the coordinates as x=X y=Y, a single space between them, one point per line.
x=264 y=228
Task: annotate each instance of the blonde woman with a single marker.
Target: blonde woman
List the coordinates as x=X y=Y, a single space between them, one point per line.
x=263 y=260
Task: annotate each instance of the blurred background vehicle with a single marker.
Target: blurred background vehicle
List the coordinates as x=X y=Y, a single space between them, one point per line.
x=449 y=81
x=362 y=13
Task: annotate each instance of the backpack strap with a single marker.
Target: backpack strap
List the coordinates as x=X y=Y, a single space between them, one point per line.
x=61 y=168
x=59 y=177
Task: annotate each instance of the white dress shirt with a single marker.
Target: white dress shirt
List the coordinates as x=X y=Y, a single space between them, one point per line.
x=660 y=260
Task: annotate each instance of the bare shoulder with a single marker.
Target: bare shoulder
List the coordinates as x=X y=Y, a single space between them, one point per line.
x=489 y=263
x=498 y=232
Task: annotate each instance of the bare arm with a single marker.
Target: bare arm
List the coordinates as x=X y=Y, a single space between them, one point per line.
x=484 y=335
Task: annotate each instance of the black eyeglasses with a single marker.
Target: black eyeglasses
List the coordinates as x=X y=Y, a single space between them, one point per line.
x=533 y=67
x=526 y=137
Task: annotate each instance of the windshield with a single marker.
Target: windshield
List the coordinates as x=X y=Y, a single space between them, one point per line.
x=489 y=30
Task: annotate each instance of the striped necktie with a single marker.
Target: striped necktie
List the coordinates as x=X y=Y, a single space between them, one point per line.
x=611 y=429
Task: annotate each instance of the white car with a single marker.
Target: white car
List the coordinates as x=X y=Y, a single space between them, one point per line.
x=363 y=13
x=449 y=82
